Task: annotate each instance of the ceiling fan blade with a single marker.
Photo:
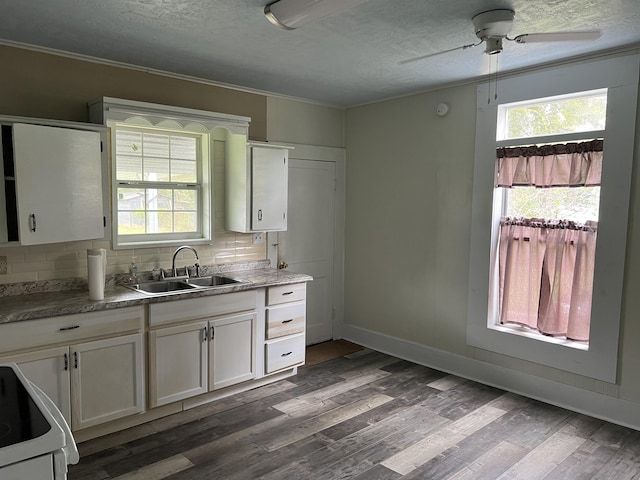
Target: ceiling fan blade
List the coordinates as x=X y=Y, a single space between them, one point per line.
x=424 y=57
x=557 y=37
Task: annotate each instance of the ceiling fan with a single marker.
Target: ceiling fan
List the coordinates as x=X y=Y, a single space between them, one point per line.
x=493 y=26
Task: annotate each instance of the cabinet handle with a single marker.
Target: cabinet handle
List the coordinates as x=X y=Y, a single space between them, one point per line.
x=75 y=360
x=287 y=293
x=286 y=354
x=287 y=321
x=32 y=222
x=73 y=327
x=66 y=362
x=212 y=333
x=260 y=215
x=205 y=336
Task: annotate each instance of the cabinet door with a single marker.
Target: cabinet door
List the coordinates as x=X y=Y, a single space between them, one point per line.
x=177 y=363
x=58 y=184
x=269 y=189
x=231 y=350
x=49 y=370
x=106 y=380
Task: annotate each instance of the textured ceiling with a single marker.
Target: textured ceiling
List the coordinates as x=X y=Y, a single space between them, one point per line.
x=347 y=59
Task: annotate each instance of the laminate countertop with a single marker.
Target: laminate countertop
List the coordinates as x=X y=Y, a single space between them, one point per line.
x=24 y=304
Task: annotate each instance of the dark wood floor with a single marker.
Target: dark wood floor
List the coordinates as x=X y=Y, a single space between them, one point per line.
x=368 y=416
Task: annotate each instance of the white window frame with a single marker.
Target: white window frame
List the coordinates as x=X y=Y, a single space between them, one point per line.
x=203 y=232
x=619 y=75
x=211 y=125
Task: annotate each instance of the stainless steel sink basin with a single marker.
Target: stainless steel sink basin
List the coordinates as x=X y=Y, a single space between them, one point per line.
x=163 y=286
x=212 y=281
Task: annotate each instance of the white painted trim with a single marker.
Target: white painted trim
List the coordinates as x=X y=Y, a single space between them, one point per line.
x=605 y=407
x=339 y=157
x=620 y=76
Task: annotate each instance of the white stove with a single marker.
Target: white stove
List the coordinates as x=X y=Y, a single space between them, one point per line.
x=35 y=441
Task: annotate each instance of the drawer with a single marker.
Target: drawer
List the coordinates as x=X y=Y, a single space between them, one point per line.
x=284 y=353
x=285 y=320
x=286 y=293
x=68 y=329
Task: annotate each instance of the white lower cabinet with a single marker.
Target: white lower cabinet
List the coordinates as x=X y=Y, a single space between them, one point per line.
x=91 y=382
x=195 y=357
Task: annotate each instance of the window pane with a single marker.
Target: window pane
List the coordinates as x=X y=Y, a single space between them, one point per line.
x=186 y=199
x=183 y=147
x=128 y=168
x=156 y=145
x=130 y=223
x=128 y=143
x=186 y=222
x=159 y=199
x=159 y=222
x=184 y=171
x=577 y=204
x=555 y=115
x=131 y=199
x=156 y=169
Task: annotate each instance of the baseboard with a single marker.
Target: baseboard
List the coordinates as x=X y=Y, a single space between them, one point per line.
x=605 y=407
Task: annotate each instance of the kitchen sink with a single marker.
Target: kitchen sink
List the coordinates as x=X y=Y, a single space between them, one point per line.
x=163 y=286
x=212 y=281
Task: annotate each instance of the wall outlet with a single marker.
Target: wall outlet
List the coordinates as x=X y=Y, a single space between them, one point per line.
x=3 y=265
x=258 y=238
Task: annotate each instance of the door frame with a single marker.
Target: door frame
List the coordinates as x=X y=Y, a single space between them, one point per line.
x=337 y=156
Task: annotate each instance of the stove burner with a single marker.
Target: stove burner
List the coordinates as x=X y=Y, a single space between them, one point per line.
x=5 y=429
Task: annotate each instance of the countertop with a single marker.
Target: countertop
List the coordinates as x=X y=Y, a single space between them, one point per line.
x=30 y=306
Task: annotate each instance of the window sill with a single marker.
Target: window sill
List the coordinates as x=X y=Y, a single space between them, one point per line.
x=528 y=333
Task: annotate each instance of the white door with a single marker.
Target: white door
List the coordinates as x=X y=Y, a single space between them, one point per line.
x=231 y=350
x=49 y=370
x=106 y=380
x=177 y=363
x=269 y=185
x=309 y=242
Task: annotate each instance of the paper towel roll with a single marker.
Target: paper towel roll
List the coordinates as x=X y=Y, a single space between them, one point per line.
x=96 y=261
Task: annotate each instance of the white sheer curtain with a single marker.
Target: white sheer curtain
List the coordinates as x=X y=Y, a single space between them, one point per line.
x=546 y=266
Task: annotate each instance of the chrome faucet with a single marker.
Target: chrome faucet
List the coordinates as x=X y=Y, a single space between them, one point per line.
x=173 y=262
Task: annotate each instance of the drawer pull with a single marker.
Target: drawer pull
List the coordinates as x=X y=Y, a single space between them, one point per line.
x=287 y=321
x=287 y=293
x=286 y=354
x=73 y=327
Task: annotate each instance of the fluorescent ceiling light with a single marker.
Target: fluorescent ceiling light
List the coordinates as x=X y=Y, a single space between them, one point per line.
x=291 y=14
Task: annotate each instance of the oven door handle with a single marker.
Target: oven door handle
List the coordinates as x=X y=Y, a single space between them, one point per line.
x=70 y=449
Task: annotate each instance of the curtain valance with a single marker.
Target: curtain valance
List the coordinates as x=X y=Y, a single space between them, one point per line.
x=561 y=165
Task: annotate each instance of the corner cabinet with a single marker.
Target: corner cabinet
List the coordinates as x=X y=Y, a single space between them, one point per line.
x=92 y=367
x=256 y=186
x=52 y=182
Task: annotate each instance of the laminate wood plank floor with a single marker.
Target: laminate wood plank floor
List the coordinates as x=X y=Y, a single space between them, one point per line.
x=367 y=416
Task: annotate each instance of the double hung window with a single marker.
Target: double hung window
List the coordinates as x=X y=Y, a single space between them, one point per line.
x=551 y=187
x=159 y=183
x=547 y=205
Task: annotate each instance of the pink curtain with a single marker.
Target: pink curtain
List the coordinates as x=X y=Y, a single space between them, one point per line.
x=562 y=165
x=546 y=267
x=546 y=275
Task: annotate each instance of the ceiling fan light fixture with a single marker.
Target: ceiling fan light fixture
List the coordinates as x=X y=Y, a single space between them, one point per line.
x=291 y=14
x=493 y=45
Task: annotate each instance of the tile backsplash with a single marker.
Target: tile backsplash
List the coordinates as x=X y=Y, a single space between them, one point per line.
x=68 y=260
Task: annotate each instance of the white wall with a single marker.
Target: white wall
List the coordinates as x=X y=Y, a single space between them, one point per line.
x=409 y=185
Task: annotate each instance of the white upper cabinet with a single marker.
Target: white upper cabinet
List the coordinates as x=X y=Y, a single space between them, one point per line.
x=53 y=180
x=256 y=194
